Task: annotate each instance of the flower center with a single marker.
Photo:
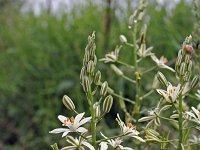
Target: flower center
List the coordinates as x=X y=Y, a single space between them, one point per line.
x=130 y=126
x=72 y=120
x=65 y=122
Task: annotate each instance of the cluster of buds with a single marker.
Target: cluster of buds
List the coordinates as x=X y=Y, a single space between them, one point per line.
x=89 y=64
x=183 y=64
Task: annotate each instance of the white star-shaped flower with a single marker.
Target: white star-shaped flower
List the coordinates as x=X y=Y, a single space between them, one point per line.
x=171 y=94
x=112 y=56
x=129 y=129
x=161 y=62
x=115 y=143
x=195 y=115
x=77 y=144
x=73 y=124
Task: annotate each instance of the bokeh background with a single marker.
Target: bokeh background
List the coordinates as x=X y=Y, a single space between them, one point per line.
x=41 y=49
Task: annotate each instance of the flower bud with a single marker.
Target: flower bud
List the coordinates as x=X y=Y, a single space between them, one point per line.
x=188 y=48
x=86 y=84
x=187 y=76
x=162 y=79
x=104 y=88
x=86 y=57
x=68 y=103
x=83 y=73
x=90 y=67
x=123 y=39
x=183 y=68
x=55 y=146
x=97 y=78
x=179 y=59
x=189 y=68
x=195 y=81
x=107 y=104
x=187 y=58
x=97 y=110
x=116 y=70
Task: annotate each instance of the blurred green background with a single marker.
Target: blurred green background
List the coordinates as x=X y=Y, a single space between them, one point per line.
x=41 y=57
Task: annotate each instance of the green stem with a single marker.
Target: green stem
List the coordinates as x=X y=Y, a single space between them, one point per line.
x=121 y=97
x=148 y=70
x=129 y=79
x=93 y=122
x=125 y=64
x=180 y=121
x=137 y=86
x=166 y=118
x=147 y=94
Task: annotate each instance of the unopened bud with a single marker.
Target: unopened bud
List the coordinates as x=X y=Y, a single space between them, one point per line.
x=187 y=76
x=104 y=88
x=97 y=110
x=116 y=70
x=187 y=58
x=123 y=39
x=189 y=68
x=86 y=57
x=195 y=81
x=188 y=48
x=68 y=102
x=107 y=104
x=86 y=84
x=183 y=68
x=162 y=79
x=55 y=146
x=90 y=67
x=83 y=73
x=97 y=78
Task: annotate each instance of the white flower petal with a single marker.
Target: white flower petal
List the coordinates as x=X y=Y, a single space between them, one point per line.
x=59 y=130
x=82 y=130
x=69 y=148
x=85 y=120
x=88 y=145
x=78 y=118
x=65 y=133
x=196 y=112
x=139 y=138
x=103 y=146
x=191 y=114
x=62 y=118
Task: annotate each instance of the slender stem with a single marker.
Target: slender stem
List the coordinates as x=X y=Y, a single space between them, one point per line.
x=125 y=64
x=129 y=79
x=147 y=94
x=180 y=121
x=121 y=97
x=166 y=118
x=194 y=97
x=136 y=107
x=148 y=70
x=93 y=122
x=129 y=44
x=194 y=126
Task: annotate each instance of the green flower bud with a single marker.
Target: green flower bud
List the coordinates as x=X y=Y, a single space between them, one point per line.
x=104 y=88
x=83 y=73
x=68 y=103
x=97 y=78
x=55 y=146
x=187 y=76
x=86 y=57
x=107 y=104
x=183 y=68
x=195 y=81
x=123 y=39
x=187 y=58
x=189 y=68
x=90 y=67
x=97 y=110
x=86 y=84
x=116 y=70
x=162 y=79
